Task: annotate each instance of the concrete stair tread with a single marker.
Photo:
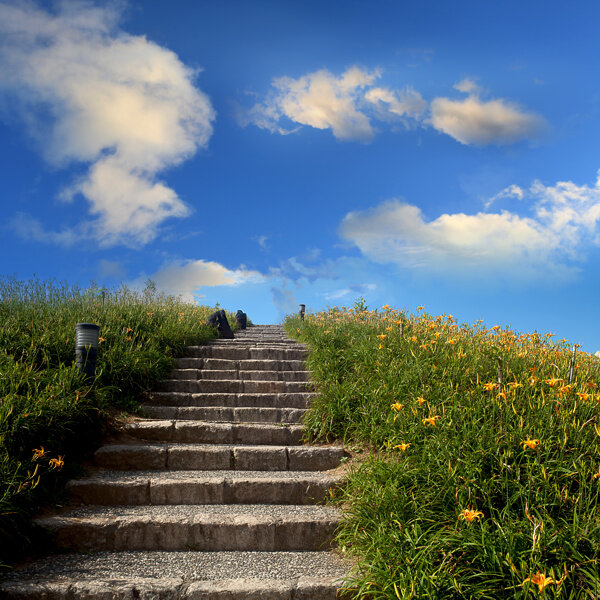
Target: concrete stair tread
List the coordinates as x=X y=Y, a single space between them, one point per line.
x=200 y=476
x=180 y=567
x=198 y=512
x=232 y=399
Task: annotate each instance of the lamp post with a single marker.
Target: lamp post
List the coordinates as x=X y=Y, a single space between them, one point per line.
x=86 y=347
x=302 y=311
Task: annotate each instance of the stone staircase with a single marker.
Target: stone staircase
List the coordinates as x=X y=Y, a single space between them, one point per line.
x=211 y=498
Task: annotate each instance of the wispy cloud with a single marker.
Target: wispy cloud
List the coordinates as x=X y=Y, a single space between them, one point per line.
x=564 y=221
x=91 y=93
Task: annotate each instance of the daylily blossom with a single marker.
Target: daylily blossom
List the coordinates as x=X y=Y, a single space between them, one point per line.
x=403 y=447
x=39 y=453
x=421 y=400
x=397 y=406
x=56 y=463
x=553 y=381
x=540 y=580
x=470 y=515
x=531 y=444
x=490 y=387
x=430 y=420
x=382 y=336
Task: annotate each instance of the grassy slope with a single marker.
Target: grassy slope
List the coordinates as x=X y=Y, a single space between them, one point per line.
x=50 y=418
x=422 y=393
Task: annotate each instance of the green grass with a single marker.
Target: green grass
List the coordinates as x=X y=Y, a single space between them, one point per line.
x=421 y=394
x=50 y=417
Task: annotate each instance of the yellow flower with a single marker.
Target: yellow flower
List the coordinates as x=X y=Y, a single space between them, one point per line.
x=56 y=463
x=431 y=420
x=501 y=395
x=553 y=381
x=421 y=400
x=149 y=314
x=382 y=336
x=404 y=447
x=531 y=444
x=38 y=452
x=514 y=385
x=100 y=340
x=390 y=328
x=128 y=330
x=420 y=307
x=596 y=475
x=532 y=381
x=583 y=396
x=565 y=389
x=451 y=342
x=413 y=338
x=495 y=328
x=127 y=339
x=490 y=387
x=540 y=580
x=380 y=347
x=386 y=307
x=470 y=515
x=397 y=406
x=424 y=346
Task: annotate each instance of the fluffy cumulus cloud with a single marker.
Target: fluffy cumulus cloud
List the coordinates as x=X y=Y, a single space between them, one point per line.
x=341 y=103
x=481 y=122
x=94 y=94
x=349 y=103
x=188 y=278
x=564 y=218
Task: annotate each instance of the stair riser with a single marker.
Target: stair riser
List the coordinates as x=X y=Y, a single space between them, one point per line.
x=230 y=353
x=240 y=365
x=226 y=415
x=234 y=491
x=241 y=458
x=187 y=399
x=231 y=374
x=234 y=387
x=215 y=433
x=145 y=589
x=146 y=534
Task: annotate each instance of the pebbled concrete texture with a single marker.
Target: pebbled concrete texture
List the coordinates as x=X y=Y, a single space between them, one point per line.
x=211 y=498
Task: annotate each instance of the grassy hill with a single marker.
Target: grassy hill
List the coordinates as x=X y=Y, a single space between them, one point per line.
x=50 y=417
x=483 y=477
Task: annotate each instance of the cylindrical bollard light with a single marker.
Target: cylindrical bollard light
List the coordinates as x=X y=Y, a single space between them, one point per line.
x=86 y=347
x=302 y=311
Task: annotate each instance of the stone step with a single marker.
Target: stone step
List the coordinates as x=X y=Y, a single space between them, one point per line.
x=233 y=374
x=133 y=488
x=191 y=527
x=253 y=353
x=240 y=365
x=225 y=414
x=203 y=432
x=155 y=575
x=285 y=400
x=218 y=456
x=234 y=386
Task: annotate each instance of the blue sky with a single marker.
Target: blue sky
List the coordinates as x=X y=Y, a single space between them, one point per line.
x=264 y=154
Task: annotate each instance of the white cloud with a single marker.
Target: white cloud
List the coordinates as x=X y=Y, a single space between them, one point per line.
x=187 y=278
x=405 y=103
x=92 y=93
x=467 y=85
x=512 y=191
x=475 y=121
x=564 y=219
x=320 y=100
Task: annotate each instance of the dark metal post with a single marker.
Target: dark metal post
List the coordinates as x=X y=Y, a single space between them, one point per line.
x=86 y=347
x=302 y=311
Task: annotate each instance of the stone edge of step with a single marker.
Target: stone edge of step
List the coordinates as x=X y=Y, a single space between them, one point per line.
x=303 y=588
